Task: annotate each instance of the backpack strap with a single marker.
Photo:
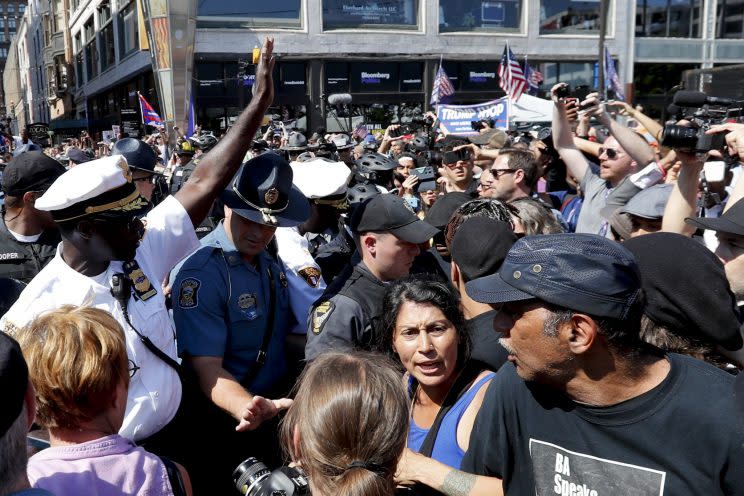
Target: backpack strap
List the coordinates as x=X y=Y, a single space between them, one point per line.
x=174 y=476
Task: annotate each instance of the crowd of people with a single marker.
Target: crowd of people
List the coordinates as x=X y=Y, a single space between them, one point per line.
x=547 y=310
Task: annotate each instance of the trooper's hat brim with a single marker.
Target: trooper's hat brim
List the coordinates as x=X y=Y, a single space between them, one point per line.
x=297 y=211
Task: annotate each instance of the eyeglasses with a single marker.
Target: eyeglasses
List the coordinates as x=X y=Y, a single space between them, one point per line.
x=501 y=172
x=484 y=186
x=611 y=152
x=133 y=368
x=457 y=165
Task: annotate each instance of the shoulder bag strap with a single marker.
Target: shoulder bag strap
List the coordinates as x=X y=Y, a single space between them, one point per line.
x=261 y=356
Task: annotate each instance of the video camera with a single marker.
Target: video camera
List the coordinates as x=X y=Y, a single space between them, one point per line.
x=253 y=478
x=706 y=112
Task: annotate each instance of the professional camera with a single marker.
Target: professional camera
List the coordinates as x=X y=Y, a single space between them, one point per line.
x=253 y=478
x=705 y=112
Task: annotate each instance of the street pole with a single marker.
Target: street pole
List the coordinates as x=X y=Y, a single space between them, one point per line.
x=603 y=7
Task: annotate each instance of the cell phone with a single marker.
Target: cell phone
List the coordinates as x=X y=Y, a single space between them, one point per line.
x=563 y=92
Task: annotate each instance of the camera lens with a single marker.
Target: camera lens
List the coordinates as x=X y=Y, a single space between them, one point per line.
x=679 y=137
x=248 y=476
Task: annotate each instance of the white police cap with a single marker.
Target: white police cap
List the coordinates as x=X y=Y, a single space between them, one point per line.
x=321 y=178
x=99 y=186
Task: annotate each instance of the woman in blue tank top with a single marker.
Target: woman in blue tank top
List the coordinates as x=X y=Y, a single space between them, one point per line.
x=424 y=327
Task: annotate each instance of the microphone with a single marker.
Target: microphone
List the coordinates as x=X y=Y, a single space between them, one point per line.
x=686 y=98
x=339 y=99
x=120 y=290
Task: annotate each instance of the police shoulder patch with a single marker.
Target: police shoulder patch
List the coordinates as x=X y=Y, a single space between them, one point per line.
x=321 y=314
x=188 y=293
x=311 y=275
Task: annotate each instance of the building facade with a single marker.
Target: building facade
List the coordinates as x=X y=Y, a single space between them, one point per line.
x=383 y=53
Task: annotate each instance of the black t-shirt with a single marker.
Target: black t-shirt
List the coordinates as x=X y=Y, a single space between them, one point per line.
x=680 y=438
x=485 y=341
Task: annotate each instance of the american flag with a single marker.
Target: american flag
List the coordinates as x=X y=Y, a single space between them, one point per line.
x=612 y=80
x=533 y=76
x=511 y=77
x=442 y=87
x=149 y=116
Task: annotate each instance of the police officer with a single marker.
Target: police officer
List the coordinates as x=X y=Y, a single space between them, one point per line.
x=142 y=159
x=388 y=235
x=296 y=145
x=231 y=306
x=185 y=166
x=28 y=237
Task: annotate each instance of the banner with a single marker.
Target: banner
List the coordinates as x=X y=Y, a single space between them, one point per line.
x=457 y=119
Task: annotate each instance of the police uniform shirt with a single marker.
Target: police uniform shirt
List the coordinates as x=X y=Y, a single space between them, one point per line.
x=304 y=277
x=221 y=309
x=22 y=260
x=338 y=321
x=155 y=390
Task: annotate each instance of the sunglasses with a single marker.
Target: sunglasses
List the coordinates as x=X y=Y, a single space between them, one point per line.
x=611 y=152
x=500 y=172
x=145 y=179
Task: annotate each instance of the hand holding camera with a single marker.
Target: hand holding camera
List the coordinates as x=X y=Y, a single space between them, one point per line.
x=734 y=137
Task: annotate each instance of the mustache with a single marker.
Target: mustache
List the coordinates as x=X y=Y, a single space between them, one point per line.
x=503 y=342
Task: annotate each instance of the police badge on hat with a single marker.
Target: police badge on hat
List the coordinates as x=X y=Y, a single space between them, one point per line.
x=188 y=293
x=321 y=314
x=247 y=304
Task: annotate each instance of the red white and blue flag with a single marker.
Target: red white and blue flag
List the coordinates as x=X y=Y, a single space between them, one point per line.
x=534 y=78
x=612 y=80
x=511 y=77
x=149 y=116
x=442 y=87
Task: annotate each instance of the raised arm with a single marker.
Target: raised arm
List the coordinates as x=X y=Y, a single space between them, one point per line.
x=563 y=138
x=650 y=124
x=633 y=144
x=218 y=166
x=683 y=199
x=735 y=143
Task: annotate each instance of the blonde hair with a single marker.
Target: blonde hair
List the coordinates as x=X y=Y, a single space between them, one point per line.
x=76 y=358
x=351 y=412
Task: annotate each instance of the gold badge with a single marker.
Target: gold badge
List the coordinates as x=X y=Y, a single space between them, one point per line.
x=271 y=196
x=321 y=314
x=311 y=275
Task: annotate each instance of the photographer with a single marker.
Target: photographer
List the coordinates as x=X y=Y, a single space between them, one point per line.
x=392 y=146
x=624 y=154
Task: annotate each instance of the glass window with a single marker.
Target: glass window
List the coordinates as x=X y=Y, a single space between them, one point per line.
x=91 y=51
x=211 y=79
x=373 y=77
x=107 y=46
x=578 y=74
x=380 y=14
x=78 y=47
x=668 y=18
x=232 y=14
x=104 y=14
x=12 y=23
x=479 y=15
x=730 y=19
x=22 y=8
x=11 y=8
x=569 y=17
x=128 y=39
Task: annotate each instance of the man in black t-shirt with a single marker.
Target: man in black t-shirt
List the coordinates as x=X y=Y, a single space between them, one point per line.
x=588 y=409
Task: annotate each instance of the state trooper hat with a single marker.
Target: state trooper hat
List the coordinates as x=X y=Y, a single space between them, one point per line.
x=262 y=192
x=391 y=213
x=581 y=272
x=139 y=155
x=30 y=171
x=102 y=186
x=296 y=142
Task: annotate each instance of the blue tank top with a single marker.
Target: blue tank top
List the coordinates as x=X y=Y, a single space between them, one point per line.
x=446 y=449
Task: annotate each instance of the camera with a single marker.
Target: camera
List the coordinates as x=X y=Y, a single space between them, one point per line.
x=691 y=139
x=563 y=92
x=253 y=478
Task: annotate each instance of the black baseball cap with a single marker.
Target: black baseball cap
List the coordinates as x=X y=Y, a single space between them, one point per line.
x=30 y=171
x=391 y=213
x=440 y=213
x=581 y=272
x=480 y=246
x=731 y=222
x=13 y=381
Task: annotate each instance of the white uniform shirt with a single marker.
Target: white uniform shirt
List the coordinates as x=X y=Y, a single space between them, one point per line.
x=304 y=289
x=155 y=389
